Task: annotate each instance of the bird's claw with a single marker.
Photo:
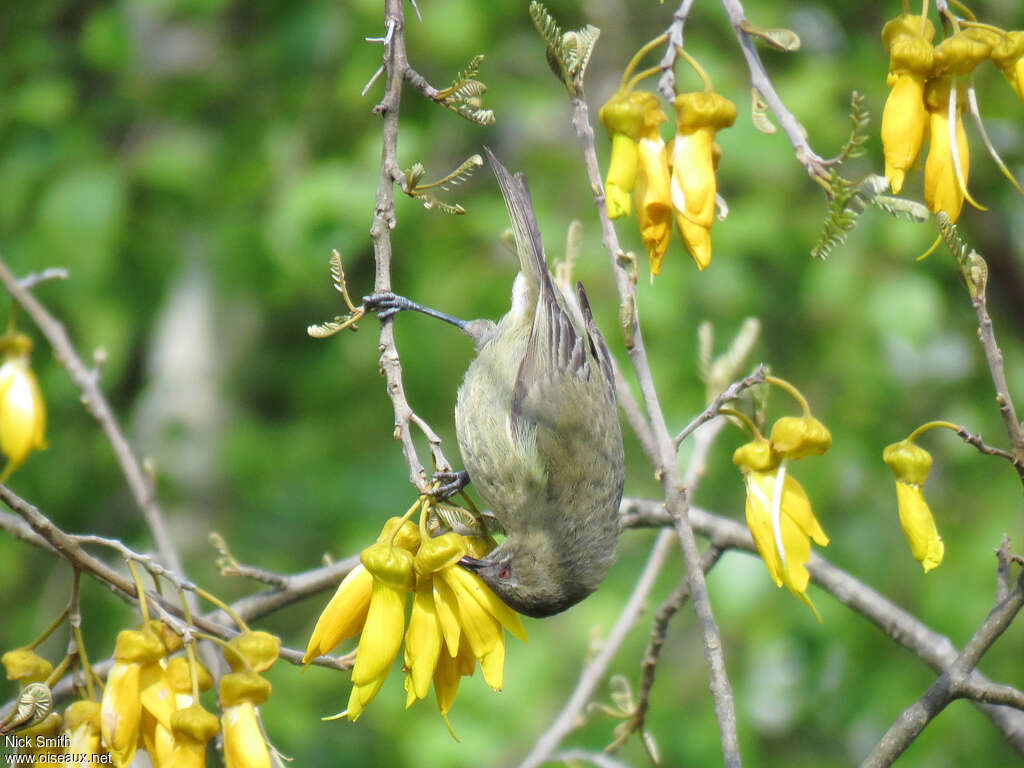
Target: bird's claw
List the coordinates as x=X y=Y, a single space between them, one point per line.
x=386 y=304
x=451 y=483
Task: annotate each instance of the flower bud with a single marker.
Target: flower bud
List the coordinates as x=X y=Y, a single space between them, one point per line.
x=798 y=437
x=259 y=649
x=756 y=456
x=26 y=666
x=909 y=462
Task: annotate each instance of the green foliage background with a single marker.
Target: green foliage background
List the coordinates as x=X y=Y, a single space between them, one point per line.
x=193 y=162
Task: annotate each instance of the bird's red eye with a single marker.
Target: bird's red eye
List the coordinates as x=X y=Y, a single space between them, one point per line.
x=505 y=573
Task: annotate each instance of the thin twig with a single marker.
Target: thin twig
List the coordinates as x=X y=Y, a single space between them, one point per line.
x=667 y=81
x=659 y=633
x=50 y=273
x=729 y=394
x=396 y=65
x=949 y=685
x=994 y=356
x=759 y=79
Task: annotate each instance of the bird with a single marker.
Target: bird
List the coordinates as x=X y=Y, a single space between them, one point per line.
x=537 y=426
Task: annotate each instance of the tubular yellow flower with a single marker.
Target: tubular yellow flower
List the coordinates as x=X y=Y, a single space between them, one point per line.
x=381 y=639
x=766 y=499
x=158 y=705
x=905 y=119
x=423 y=641
x=622 y=116
x=82 y=728
x=344 y=615
x=1008 y=55
x=910 y=465
x=121 y=706
x=942 y=191
x=193 y=726
x=244 y=745
x=22 y=410
x=698 y=117
x=652 y=193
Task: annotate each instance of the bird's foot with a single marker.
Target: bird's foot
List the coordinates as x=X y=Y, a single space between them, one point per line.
x=451 y=483
x=387 y=304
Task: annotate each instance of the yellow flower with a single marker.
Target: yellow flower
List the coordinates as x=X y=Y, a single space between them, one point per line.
x=193 y=726
x=158 y=705
x=82 y=728
x=652 y=193
x=344 y=615
x=454 y=614
x=910 y=465
x=244 y=745
x=121 y=706
x=26 y=666
x=1008 y=55
x=779 y=517
x=942 y=190
x=698 y=117
x=622 y=116
x=905 y=119
x=22 y=410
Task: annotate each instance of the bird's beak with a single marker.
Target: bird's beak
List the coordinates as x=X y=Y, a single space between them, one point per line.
x=472 y=564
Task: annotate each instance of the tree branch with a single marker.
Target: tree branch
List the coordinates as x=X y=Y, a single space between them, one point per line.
x=397 y=68
x=950 y=684
x=795 y=132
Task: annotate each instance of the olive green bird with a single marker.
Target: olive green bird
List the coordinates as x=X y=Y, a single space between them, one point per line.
x=538 y=430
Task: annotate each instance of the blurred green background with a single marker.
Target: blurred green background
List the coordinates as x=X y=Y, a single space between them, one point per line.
x=193 y=163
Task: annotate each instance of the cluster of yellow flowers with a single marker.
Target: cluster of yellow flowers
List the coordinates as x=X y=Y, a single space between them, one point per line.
x=778 y=511
x=668 y=182
x=928 y=99
x=22 y=410
x=454 y=622
x=151 y=703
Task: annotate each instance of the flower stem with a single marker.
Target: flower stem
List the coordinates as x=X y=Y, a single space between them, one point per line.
x=783 y=384
x=743 y=419
x=223 y=606
x=642 y=76
x=932 y=425
x=140 y=592
x=49 y=630
x=626 y=85
x=696 y=67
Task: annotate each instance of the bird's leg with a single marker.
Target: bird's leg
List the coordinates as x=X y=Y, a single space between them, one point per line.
x=387 y=305
x=451 y=483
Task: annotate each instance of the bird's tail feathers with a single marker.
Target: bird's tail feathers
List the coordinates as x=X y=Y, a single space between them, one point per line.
x=529 y=246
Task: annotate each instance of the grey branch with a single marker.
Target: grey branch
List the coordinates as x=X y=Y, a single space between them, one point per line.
x=759 y=79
